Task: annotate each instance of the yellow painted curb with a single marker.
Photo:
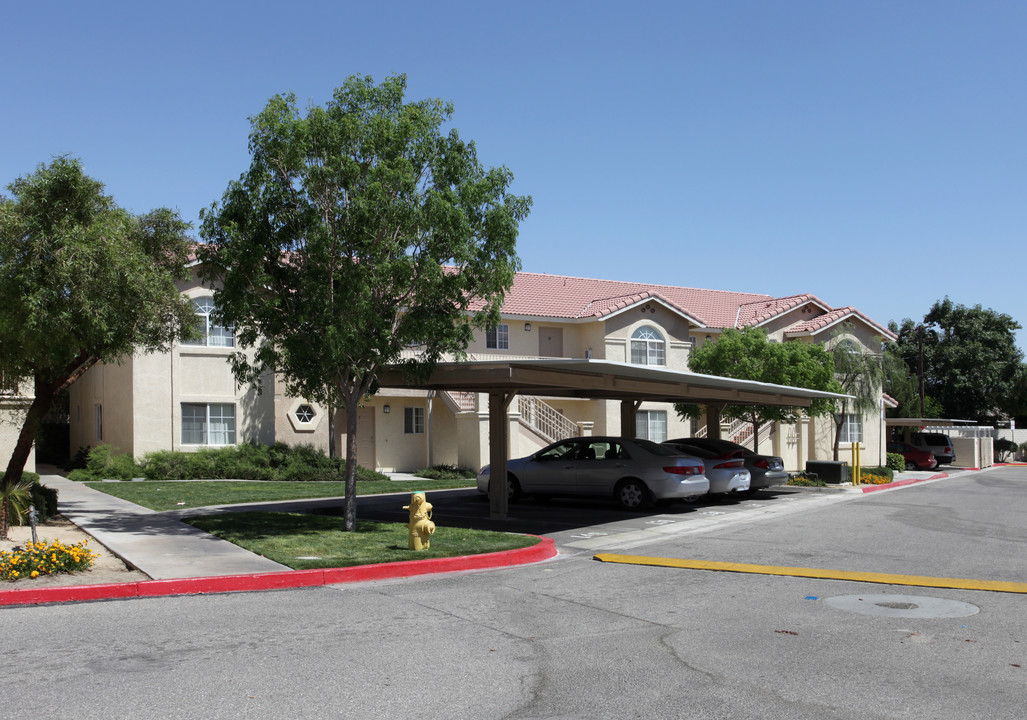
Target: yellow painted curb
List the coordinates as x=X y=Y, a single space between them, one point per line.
x=867 y=577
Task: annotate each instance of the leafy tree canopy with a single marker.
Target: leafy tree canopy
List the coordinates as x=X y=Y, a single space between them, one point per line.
x=361 y=230
x=81 y=281
x=748 y=354
x=972 y=365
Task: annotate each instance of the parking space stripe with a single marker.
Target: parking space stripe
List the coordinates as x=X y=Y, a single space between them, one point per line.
x=852 y=576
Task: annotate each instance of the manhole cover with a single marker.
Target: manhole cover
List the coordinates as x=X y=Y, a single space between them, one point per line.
x=910 y=606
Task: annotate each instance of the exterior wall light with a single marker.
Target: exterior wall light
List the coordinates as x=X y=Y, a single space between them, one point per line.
x=527 y=327
x=386 y=409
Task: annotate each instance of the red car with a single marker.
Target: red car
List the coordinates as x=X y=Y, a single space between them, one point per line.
x=916 y=459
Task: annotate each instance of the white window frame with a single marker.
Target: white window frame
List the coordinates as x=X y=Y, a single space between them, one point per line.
x=213 y=416
x=497 y=337
x=651 y=425
x=413 y=420
x=211 y=334
x=852 y=428
x=648 y=347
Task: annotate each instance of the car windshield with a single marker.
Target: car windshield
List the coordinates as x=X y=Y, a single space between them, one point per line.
x=560 y=450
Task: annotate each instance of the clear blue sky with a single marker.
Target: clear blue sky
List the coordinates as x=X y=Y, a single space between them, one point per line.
x=873 y=153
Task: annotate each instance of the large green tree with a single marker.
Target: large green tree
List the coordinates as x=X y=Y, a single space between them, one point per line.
x=81 y=281
x=748 y=354
x=360 y=230
x=971 y=363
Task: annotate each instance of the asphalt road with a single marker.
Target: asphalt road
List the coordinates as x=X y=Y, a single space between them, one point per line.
x=577 y=638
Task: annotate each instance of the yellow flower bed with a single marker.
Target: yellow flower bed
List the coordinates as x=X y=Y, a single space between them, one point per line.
x=869 y=479
x=45 y=559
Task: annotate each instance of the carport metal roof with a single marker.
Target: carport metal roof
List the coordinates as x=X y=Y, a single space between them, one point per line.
x=601 y=379
x=585 y=378
x=926 y=422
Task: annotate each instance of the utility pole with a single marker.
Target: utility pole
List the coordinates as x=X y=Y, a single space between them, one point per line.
x=920 y=337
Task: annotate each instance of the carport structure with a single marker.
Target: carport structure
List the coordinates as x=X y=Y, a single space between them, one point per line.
x=587 y=379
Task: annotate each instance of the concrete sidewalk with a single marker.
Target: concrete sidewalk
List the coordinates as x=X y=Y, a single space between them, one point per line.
x=159 y=545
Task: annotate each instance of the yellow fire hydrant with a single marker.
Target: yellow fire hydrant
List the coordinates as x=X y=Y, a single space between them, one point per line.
x=421 y=527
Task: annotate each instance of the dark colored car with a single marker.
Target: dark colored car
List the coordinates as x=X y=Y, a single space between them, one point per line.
x=764 y=470
x=916 y=459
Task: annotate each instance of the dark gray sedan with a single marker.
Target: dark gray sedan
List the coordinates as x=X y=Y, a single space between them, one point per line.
x=633 y=472
x=764 y=470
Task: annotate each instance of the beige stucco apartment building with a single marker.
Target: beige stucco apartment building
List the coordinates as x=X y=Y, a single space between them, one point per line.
x=187 y=398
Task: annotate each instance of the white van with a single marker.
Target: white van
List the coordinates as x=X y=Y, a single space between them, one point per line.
x=938 y=444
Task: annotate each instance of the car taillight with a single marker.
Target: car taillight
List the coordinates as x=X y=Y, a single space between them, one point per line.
x=731 y=464
x=685 y=469
x=761 y=463
x=948 y=449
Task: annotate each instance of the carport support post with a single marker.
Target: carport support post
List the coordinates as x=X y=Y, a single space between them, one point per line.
x=713 y=421
x=628 y=410
x=499 y=443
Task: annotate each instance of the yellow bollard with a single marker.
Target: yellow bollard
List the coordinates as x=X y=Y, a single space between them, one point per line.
x=421 y=527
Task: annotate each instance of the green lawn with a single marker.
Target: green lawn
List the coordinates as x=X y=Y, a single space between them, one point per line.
x=317 y=541
x=174 y=495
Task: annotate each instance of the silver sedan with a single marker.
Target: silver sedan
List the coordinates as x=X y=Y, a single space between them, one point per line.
x=634 y=472
x=728 y=476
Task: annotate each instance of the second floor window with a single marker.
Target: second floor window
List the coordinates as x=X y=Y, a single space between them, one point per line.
x=207 y=332
x=498 y=337
x=648 y=347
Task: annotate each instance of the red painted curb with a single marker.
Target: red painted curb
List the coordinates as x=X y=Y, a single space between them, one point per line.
x=274 y=581
x=901 y=483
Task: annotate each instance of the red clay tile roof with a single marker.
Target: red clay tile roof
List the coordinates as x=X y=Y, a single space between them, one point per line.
x=575 y=298
x=820 y=322
x=560 y=296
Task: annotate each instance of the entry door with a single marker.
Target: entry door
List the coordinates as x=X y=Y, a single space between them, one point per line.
x=550 y=342
x=365 y=438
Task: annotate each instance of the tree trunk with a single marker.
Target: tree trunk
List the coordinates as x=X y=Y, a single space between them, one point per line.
x=22 y=449
x=838 y=436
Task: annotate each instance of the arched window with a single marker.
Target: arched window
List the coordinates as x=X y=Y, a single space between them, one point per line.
x=208 y=333
x=648 y=347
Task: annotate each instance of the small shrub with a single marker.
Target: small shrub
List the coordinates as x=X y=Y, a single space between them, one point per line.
x=804 y=480
x=446 y=472
x=364 y=474
x=163 y=465
x=896 y=461
x=882 y=471
x=78 y=460
x=103 y=463
x=45 y=559
x=1004 y=448
x=44 y=499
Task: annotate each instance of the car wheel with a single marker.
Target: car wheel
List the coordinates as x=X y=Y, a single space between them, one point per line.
x=632 y=494
x=910 y=465
x=513 y=489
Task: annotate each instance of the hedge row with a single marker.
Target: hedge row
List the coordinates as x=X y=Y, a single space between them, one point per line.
x=238 y=462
